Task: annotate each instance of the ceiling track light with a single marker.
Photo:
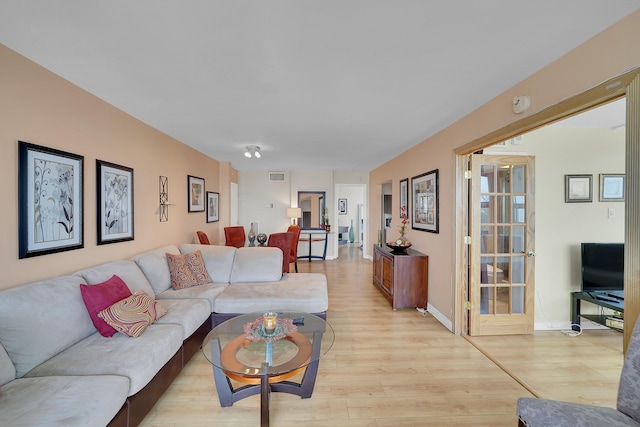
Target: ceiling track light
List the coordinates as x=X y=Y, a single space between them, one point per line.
x=252 y=151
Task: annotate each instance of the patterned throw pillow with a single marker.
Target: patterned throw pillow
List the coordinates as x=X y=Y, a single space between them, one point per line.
x=187 y=270
x=196 y=265
x=181 y=275
x=132 y=315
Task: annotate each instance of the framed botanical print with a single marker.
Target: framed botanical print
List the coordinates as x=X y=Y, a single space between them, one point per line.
x=114 y=195
x=195 y=194
x=426 y=203
x=50 y=200
x=212 y=206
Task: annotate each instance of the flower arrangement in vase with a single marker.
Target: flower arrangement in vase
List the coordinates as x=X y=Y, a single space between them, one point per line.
x=402 y=243
x=327 y=226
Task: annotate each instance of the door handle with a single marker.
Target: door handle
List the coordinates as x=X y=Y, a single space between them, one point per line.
x=531 y=254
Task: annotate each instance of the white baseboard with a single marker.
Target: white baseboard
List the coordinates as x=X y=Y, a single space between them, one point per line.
x=440 y=317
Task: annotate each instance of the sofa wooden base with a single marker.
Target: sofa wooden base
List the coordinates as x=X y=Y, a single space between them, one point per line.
x=138 y=406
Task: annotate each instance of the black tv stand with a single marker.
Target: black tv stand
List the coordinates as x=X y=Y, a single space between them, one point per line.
x=609 y=299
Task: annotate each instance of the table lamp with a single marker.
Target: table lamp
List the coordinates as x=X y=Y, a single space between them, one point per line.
x=294 y=213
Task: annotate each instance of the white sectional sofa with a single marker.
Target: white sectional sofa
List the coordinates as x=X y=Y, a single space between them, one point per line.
x=56 y=369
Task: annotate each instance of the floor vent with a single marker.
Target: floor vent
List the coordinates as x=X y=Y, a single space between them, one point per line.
x=276 y=177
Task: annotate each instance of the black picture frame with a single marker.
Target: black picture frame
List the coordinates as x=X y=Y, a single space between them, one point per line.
x=114 y=202
x=426 y=202
x=342 y=206
x=213 y=206
x=50 y=200
x=404 y=198
x=195 y=194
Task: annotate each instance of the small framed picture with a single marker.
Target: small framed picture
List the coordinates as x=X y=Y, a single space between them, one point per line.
x=342 y=206
x=612 y=187
x=50 y=200
x=212 y=206
x=426 y=203
x=195 y=194
x=404 y=198
x=578 y=188
x=114 y=202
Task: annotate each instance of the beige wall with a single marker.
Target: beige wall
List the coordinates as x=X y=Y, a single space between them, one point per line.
x=39 y=107
x=610 y=53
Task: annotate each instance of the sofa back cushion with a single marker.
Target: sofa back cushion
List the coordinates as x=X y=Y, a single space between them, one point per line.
x=257 y=264
x=218 y=260
x=7 y=370
x=41 y=319
x=127 y=270
x=155 y=267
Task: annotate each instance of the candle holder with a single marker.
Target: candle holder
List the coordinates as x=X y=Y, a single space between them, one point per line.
x=270 y=320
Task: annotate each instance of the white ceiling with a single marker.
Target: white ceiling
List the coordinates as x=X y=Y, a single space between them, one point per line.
x=332 y=84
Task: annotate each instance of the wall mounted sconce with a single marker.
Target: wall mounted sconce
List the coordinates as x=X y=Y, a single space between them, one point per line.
x=164 y=199
x=252 y=151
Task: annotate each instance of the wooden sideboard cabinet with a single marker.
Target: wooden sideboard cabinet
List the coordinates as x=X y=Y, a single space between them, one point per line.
x=402 y=279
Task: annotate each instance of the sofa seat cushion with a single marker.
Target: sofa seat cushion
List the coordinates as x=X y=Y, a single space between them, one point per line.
x=127 y=270
x=155 y=267
x=218 y=260
x=305 y=292
x=209 y=292
x=188 y=313
x=138 y=359
x=39 y=320
x=63 y=400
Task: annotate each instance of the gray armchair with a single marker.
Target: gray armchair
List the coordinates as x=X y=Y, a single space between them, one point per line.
x=534 y=412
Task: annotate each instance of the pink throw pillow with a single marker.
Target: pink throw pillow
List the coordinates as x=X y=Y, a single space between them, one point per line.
x=100 y=296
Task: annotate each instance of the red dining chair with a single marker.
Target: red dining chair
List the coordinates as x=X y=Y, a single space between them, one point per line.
x=203 y=238
x=294 y=244
x=234 y=236
x=282 y=241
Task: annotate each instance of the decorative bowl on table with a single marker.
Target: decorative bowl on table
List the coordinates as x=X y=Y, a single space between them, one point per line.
x=398 y=248
x=255 y=330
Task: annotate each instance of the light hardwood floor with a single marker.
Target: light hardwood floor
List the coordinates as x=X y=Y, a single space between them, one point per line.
x=399 y=368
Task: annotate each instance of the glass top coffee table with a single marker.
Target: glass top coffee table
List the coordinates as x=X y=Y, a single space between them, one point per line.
x=241 y=349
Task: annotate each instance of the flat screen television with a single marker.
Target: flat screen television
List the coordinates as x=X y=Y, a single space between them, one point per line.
x=602 y=267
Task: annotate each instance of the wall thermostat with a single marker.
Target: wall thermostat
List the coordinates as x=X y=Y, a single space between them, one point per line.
x=521 y=104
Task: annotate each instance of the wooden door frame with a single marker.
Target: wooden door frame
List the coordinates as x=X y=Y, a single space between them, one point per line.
x=627 y=84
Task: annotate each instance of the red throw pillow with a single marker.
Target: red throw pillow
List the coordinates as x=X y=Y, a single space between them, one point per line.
x=100 y=296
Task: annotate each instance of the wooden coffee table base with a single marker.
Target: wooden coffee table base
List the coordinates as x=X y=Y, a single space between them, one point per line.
x=264 y=383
